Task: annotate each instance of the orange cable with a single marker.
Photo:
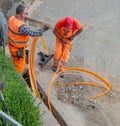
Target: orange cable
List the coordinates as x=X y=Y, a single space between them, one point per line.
x=31 y=67
x=109 y=87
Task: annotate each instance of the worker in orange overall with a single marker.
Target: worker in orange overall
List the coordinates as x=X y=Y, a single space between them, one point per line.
x=65 y=30
x=18 y=36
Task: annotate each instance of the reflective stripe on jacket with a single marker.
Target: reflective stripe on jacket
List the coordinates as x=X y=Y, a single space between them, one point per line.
x=15 y=38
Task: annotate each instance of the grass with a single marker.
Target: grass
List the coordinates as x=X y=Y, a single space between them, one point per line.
x=20 y=102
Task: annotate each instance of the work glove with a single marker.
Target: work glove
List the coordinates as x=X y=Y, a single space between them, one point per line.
x=71 y=38
x=63 y=41
x=46 y=27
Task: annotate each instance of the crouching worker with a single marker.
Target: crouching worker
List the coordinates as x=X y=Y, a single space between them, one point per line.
x=18 y=35
x=65 y=30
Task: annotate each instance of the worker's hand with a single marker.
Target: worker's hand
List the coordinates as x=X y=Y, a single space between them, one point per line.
x=46 y=27
x=71 y=38
x=63 y=41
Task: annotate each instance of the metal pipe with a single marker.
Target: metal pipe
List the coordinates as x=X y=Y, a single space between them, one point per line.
x=9 y=119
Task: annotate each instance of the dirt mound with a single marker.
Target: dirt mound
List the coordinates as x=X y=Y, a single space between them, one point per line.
x=78 y=95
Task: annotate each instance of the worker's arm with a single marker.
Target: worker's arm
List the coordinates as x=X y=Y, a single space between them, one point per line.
x=24 y=30
x=55 y=31
x=76 y=34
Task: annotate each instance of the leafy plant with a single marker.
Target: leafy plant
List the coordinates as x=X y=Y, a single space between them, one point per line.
x=19 y=101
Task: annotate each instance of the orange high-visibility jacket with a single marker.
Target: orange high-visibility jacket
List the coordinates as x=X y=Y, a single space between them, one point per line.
x=15 y=38
x=16 y=41
x=62 y=51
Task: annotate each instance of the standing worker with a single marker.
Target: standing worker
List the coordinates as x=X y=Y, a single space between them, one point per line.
x=3 y=29
x=65 y=30
x=18 y=35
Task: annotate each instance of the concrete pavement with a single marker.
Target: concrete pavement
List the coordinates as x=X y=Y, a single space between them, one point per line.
x=96 y=49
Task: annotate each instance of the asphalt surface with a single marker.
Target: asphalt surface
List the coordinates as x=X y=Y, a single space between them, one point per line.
x=96 y=49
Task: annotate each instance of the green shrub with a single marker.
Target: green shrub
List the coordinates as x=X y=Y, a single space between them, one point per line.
x=19 y=101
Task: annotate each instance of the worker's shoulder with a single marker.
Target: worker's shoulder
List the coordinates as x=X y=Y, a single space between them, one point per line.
x=1 y=14
x=2 y=18
x=60 y=23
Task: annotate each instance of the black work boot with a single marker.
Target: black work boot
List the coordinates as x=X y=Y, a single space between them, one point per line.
x=54 y=68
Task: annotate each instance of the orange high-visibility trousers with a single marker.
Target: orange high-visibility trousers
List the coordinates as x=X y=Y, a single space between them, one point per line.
x=18 y=62
x=62 y=51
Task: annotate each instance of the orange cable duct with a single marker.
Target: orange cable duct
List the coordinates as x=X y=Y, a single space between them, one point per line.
x=44 y=45
x=87 y=83
x=31 y=67
x=109 y=87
